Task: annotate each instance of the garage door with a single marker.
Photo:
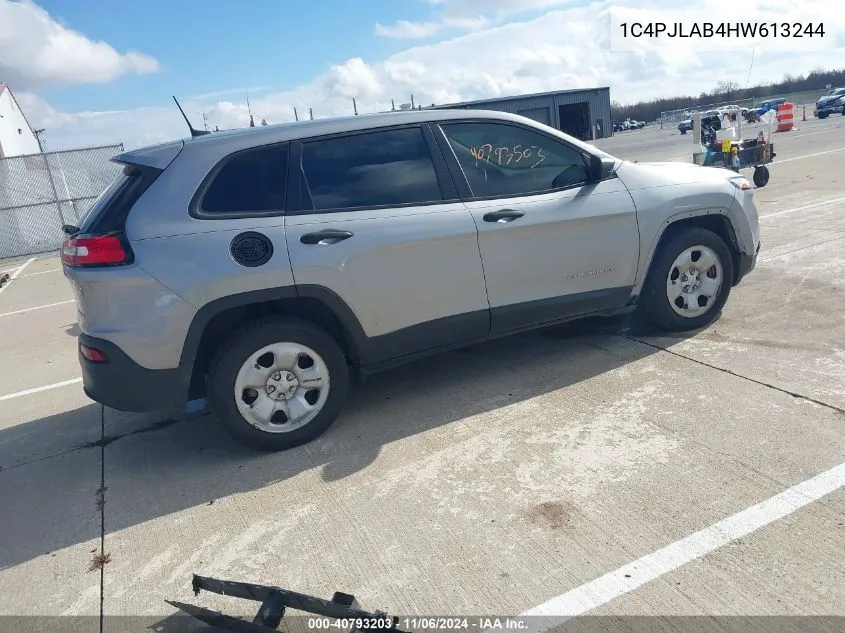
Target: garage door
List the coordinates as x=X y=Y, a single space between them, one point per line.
x=538 y=114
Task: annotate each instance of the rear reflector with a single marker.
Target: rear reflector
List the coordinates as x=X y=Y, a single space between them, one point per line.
x=91 y=251
x=92 y=354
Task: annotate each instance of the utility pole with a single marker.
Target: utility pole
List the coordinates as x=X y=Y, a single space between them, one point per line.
x=42 y=145
x=249 y=109
x=311 y=113
x=354 y=106
x=412 y=101
x=295 y=115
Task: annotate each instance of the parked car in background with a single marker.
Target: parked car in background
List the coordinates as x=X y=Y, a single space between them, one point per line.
x=264 y=268
x=711 y=118
x=764 y=106
x=637 y=125
x=830 y=102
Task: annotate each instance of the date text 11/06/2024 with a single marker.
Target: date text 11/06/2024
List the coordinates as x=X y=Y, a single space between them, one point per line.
x=722 y=29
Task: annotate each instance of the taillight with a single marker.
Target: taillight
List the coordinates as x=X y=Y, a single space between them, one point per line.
x=93 y=354
x=93 y=251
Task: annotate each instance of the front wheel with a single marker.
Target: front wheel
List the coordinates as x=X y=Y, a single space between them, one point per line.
x=278 y=383
x=689 y=281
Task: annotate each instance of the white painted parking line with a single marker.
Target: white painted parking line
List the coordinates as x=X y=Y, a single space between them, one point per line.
x=42 y=272
x=650 y=567
x=48 y=305
x=27 y=392
x=829 y=151
x=821 y=203
x=15 y=274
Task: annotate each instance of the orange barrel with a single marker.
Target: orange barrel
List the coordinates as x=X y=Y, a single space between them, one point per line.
x=786 y=117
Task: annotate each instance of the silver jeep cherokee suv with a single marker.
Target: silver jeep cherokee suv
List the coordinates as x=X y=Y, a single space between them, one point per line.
x=262 y=268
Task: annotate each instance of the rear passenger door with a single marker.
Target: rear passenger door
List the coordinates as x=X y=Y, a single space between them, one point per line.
x=379 y=224
x=553 y=244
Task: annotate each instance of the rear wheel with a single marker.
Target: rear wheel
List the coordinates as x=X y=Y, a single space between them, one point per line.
x=689 y=281
x=278 y=383
x=761 y=176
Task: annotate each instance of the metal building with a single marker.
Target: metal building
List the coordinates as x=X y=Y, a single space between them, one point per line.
x=584 y=114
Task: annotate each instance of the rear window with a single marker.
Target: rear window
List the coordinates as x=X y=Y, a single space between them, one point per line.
x=249 y=182
x=375 y=169
x=121 y=183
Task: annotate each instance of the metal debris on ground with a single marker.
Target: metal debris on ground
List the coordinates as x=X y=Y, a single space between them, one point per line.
x=274 y=601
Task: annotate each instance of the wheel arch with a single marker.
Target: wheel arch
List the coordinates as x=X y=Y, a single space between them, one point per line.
x=716 y=221
x=215 y=321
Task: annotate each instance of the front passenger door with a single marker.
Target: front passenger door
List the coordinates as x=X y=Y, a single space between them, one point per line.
x=553 y=244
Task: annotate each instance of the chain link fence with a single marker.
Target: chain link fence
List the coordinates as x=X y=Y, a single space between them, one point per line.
x=675 y=116
x=41 y=192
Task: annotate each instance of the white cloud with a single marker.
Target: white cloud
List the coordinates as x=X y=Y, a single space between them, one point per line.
x=405 y=30
x=463 y=15
x=230 y=91
x=35 y=51
x=562 y=49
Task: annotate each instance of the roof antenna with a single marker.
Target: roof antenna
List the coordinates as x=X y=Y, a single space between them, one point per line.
x=194 y=133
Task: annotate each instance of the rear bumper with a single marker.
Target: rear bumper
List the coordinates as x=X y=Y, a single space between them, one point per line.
x=746 y=264
x=123 y=384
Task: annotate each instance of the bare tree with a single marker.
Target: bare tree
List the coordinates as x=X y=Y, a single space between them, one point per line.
x=726 y=88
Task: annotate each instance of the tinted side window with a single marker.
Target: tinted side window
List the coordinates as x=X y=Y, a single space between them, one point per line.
x=248 y=182
x=390 y=167
x=504 y=160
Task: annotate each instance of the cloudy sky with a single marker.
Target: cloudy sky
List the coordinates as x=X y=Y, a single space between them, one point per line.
x=92 y=77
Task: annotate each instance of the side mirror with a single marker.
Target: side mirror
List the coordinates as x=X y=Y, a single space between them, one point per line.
x=600 y=168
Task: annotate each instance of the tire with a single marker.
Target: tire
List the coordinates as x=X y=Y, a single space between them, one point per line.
x=295 y=344
x=654 y=301
x=761 y=176
x=822 y=116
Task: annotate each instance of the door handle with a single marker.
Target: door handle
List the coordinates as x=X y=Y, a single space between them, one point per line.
x=504 y=215
x=326 y=236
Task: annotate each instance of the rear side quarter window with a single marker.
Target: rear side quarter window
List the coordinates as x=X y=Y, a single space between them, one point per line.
x=246 y=184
